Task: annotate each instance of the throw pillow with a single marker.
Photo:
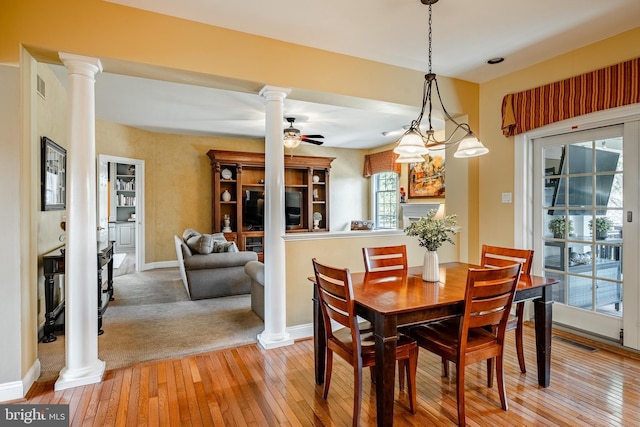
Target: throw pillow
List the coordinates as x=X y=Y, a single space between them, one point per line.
x=189 y=233
x=219 y=246
x=204 y=243
x=218 y=236
x=194 y=243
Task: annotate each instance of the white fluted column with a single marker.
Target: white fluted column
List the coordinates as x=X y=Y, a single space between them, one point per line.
x=81 y=298
x=275 y=306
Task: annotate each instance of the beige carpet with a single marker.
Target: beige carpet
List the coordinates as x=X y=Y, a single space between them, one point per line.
x=152 y=318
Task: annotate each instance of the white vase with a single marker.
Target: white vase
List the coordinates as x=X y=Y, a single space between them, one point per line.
x=226 y=196
x=430 y=268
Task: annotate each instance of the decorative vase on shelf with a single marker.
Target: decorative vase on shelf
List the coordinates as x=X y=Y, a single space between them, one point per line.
x=226 y=196
x=430 y=268
x=227 y=224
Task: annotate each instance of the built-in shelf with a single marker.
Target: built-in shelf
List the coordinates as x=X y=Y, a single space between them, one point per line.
x=242 y=175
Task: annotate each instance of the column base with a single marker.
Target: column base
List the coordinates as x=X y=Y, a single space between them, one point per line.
x=269 y=342
x=78 y=377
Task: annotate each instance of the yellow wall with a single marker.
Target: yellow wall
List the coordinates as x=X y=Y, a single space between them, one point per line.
x=497 y=167
x=52 y=123
x=178 y=180
x=345 y=252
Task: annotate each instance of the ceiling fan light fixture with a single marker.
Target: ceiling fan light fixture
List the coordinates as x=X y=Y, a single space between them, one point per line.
x=291 y=139
x=292 y=136
x=410 y=142
x=470 y=146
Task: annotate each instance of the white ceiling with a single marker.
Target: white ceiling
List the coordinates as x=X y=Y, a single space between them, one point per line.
x=466 y=33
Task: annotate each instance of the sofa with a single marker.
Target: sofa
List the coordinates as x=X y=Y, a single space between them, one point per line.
x=255 y=270
x=211 y=267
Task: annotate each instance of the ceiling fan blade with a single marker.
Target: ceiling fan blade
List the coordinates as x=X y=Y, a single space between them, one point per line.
x=312 y=136
x=313 y=141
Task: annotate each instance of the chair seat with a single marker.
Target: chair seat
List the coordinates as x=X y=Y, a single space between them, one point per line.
x=442 y=337
x=368 y=343
x=365 y=325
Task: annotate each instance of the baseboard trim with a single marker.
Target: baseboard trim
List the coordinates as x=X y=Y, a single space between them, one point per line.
x=159 y=264
x=301 y=331
x=15 y=390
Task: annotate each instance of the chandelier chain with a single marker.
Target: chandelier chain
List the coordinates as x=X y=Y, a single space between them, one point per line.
x=430 y=37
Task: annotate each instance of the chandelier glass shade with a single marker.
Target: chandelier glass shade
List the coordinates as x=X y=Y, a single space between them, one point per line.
x=414 y=144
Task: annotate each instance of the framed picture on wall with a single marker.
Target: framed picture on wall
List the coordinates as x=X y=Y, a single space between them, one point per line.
x=426 y=179
x=53 y=176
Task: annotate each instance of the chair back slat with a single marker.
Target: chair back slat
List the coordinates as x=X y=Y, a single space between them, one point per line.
x=385 y=258
x=488 y=298
x=496 y=256
x=335 y=293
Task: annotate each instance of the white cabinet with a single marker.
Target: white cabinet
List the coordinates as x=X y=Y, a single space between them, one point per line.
x=125 y=236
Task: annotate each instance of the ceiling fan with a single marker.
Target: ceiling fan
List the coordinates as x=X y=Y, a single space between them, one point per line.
x=292 y=134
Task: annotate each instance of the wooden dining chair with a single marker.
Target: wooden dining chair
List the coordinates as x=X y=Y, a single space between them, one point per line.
x=385 y=258
x=495 y=256
x=478 y=334
x=335 y=294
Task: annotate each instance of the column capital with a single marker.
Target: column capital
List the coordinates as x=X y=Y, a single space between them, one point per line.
x=81 y=64
x=274 y=92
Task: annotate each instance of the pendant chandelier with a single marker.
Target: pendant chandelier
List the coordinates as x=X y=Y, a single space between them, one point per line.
x=413 y=144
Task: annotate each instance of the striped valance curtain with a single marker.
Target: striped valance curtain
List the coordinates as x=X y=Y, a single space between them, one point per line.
x=598 y=90
x=385 y=161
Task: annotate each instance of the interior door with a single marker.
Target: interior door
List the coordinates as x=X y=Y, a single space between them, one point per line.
x=103 y=202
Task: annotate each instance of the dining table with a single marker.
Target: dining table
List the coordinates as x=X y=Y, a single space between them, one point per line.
x=396 y=298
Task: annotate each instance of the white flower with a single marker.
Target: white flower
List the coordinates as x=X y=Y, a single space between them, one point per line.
x=432 y=233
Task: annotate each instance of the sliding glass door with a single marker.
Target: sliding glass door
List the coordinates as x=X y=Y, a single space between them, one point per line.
x=580 y=218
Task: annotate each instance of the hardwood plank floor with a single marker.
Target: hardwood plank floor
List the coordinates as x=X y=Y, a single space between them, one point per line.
x=248 y=386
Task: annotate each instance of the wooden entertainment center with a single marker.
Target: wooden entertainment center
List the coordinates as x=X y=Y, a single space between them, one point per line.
x=237 y=183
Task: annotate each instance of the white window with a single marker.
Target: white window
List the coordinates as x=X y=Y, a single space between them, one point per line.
x=385 y=196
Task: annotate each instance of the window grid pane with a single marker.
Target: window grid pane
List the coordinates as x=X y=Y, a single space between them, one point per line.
x=386 y=200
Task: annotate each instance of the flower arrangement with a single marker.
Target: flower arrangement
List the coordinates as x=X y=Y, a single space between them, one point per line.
x=432 y=232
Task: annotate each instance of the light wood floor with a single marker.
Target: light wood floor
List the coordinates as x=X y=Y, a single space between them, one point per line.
x=248 y=386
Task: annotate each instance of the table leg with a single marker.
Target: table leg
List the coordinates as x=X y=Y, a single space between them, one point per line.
x=386 y=336
x=110 y=273
x=319 y=339
x=100 y=330
x=543 y=317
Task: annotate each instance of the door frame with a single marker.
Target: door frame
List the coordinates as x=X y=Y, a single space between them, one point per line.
x=140 y=205
x=523 y=199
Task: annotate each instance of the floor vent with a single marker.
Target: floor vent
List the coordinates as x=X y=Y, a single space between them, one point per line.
x=576 y=344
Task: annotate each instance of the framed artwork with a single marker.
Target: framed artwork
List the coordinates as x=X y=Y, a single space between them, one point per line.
x=426 y=179
x=53 y=176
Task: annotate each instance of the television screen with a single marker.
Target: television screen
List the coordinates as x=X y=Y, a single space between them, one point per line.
x=293 y=209
x=580 y=194
x=253 y=210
